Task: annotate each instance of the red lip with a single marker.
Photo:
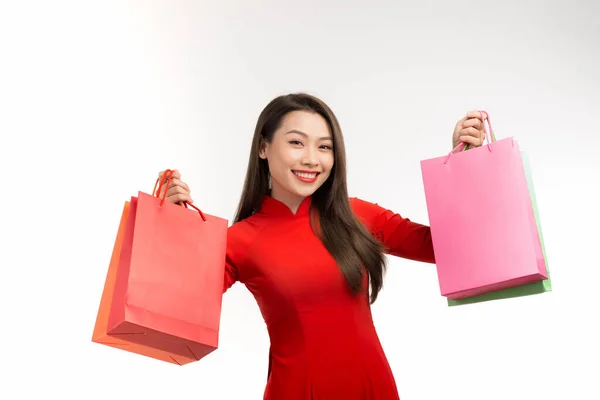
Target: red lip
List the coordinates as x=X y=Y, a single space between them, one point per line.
x=306 y=179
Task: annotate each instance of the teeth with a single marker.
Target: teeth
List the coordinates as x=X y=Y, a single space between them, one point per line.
x=306 y=175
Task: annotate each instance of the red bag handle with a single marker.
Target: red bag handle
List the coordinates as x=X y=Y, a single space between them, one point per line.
x=166 y=182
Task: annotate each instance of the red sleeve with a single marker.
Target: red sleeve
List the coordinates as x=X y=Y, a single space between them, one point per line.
x=400 y=236
x=239 y=236
x=231 y=272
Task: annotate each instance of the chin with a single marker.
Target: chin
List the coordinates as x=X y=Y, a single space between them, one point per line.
x=308 y=190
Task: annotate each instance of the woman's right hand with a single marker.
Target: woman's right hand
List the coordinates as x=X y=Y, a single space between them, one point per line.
x=178 y=191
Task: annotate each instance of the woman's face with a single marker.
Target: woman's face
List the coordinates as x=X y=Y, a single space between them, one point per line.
x=300 y=156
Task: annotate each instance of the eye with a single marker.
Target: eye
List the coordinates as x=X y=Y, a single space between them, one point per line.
x=295 y=142
x=326 y=147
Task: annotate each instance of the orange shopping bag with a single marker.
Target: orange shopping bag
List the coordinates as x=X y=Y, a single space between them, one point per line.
x=163 y=291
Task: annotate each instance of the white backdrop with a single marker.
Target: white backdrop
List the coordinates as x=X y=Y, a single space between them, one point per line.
x=97 y=97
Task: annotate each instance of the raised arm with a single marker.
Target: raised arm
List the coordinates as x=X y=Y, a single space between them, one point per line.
x=238 y=235
x=400 y=236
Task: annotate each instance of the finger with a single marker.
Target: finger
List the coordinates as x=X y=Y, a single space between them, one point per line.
x=179 y=182
x=473 y=122
x=172 y=189
x=176 y=189
x=471 y=140
x=179 y=197
x=476 y=133
x=474 y=114
x=175 y=194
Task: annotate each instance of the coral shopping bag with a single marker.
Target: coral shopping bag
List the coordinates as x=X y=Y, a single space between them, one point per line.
x=163 y=291
x=482 y=220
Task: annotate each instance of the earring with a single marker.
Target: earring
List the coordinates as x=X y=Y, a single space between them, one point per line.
x=270 y=184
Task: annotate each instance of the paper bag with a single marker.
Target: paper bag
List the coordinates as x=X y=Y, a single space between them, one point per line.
x=527 y=289
x=482 y=222
x=163 y=292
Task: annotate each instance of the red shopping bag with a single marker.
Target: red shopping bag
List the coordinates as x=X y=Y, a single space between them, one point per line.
x=163 y=291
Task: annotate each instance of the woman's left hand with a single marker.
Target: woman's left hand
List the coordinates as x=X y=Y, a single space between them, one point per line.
x=469 y=130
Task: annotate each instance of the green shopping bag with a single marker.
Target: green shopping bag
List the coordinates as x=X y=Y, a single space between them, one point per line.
x=524 y=290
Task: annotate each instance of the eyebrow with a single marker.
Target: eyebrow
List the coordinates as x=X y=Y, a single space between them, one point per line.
x=305 y=135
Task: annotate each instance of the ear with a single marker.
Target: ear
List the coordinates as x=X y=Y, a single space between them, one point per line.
x=262 y=153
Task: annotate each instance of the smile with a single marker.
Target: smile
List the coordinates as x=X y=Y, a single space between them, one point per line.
x=306 y=176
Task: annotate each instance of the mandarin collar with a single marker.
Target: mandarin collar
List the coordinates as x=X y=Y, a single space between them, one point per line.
x=276 y=208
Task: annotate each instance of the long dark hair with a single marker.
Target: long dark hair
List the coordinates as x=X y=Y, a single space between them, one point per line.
x=347 y=240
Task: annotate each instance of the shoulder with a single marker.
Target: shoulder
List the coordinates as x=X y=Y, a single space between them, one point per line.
x=241 y=234
x=360 y=204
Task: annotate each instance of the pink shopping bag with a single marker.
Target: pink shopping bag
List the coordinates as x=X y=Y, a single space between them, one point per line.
x=483 y=226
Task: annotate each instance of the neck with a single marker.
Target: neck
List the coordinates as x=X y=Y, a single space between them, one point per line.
x=290 y=200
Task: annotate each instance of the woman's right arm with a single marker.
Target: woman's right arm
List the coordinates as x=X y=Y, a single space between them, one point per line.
x=179 y=192
x=232 y=259
x=239 y=238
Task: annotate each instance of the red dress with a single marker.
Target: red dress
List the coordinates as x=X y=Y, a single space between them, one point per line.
x=323 y=342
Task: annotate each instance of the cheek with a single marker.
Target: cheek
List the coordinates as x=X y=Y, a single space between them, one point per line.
x=327 y=162
x=286 y=157
x=281 y=163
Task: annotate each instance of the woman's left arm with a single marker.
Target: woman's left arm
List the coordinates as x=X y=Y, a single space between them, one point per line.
x=400 y=236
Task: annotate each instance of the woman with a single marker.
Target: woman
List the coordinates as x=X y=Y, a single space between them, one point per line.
x=309 y=254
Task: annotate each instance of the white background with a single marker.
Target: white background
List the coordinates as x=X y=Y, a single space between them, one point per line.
x=97 y=97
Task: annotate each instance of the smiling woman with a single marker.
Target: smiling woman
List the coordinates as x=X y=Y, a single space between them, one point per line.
x=299 y=162
x=312 y=257
x=300 y=145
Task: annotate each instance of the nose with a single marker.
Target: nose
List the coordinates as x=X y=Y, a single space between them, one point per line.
x=310 y=158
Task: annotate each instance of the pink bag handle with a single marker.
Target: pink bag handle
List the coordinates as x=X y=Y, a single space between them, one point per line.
x=489 y=135
x=166 y=182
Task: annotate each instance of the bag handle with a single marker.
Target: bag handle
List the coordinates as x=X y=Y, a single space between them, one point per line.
x=489 y=135
x=166 y=182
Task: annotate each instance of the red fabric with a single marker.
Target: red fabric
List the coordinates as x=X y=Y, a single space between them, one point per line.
x=323 y=341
